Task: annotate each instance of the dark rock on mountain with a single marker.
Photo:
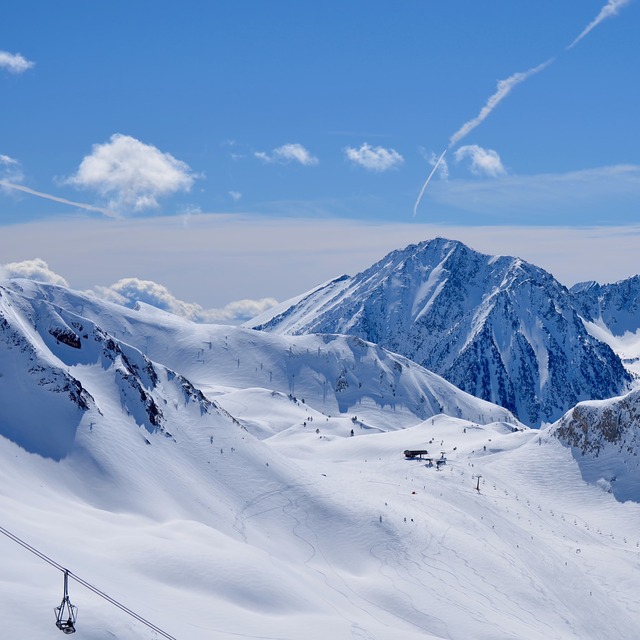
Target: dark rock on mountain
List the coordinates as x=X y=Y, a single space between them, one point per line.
x=497 y=327
x=616 y=305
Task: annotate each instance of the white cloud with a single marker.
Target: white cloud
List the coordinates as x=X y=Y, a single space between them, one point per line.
x=130 y=291
x=235 y=195
x=374 y=158
x=483 y=161
x=36 y=269
x=132 y=175
x=292 y=152
x=14 y=62
x=609 y=10
x=237 y=311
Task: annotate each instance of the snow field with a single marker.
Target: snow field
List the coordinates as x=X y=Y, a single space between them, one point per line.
x=238 y=521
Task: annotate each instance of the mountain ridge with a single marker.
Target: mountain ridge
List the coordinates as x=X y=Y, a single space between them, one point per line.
x=495 y=326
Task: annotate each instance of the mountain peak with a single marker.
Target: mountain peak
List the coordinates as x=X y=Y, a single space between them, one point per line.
x=498 y=327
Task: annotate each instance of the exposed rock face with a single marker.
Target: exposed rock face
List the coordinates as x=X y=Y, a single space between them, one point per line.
x=46 y=350
x=590 y=427
x=605 y=438
x=497 y=327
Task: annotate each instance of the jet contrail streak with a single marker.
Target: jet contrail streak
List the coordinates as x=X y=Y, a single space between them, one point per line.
x=426 y=182
x=503 y=90
x=48 y=196
x=505 y=86
x=610 y=9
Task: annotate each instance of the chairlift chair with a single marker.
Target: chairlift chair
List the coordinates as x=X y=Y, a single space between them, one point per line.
x=66 y=613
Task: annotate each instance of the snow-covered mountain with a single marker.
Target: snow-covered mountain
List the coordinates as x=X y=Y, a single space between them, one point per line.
x=206 y=478
x=611 y=313
x=495 y=326
x=338 y=375
x=616 y=305
x=56 y=363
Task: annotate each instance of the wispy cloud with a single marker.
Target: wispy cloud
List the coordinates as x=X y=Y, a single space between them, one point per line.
x=6 y=161
x=14 y=62
x=613 y=188
x=609 y=10
x=10 y=172
x=235 y=195
x=132 y=175
x=374 y=158
x=218 y=245
x=504 y=89
x=484 y=162
x=292 y=152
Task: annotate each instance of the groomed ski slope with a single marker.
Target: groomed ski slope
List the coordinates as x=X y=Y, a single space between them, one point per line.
x=337 y=537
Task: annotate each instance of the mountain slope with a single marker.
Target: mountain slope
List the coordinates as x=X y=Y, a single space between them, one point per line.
x=615 y=305
x=495 y=326
x=191 y=521
x=334 y=375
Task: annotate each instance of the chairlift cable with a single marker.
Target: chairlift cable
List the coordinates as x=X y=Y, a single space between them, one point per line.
x=120 y=606
x=33 y=550
x=85 y=584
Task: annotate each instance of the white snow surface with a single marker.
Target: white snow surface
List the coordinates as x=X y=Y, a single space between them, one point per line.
x=255 y=514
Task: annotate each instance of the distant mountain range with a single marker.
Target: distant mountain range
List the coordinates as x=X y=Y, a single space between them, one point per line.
x=497 y=327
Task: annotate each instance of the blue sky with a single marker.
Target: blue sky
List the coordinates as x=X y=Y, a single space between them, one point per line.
x=271 y=112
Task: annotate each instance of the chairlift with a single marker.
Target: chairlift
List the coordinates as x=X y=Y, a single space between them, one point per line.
x=66 y=613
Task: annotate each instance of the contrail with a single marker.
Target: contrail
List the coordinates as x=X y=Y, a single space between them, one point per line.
x=48 y=196
x=610 y=9
x=504 y=88
x=426 y=182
